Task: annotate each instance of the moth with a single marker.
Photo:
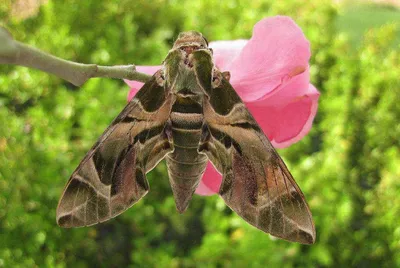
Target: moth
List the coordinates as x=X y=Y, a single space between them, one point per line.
x=189 y=114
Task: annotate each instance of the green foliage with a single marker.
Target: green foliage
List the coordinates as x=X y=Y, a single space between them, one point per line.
x=348 y=166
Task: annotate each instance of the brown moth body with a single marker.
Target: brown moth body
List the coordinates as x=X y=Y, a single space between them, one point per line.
x=189 y=114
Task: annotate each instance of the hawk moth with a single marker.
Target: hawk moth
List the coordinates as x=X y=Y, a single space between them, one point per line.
x=189 y=114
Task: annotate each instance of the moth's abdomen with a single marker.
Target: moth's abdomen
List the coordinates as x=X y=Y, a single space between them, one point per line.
x=185 y=165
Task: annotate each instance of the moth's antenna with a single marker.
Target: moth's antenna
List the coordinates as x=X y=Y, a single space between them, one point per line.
x=205 y=39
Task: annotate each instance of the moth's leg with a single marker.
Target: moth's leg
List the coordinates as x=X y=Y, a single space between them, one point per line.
x=167 y=133
x=226 y=75
x=160 y=78
x=216 y=78
x=204 y=139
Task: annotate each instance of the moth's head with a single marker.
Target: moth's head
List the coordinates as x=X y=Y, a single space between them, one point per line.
x=191 y=40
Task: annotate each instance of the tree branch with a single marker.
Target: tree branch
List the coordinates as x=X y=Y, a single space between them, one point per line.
x=14 y=52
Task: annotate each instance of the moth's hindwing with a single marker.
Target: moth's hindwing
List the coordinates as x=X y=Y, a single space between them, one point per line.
x=256 y=183
x=111 y=177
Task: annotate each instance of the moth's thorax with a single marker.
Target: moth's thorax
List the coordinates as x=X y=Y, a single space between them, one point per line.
x=179 y=72
x=186 y=79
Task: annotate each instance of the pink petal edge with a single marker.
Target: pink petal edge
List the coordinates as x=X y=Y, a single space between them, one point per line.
x=225 y=52
x=277 y=48
x=314 y=96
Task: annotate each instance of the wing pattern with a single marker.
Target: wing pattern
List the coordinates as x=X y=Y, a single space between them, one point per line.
x=256 y=183
x=111 y=177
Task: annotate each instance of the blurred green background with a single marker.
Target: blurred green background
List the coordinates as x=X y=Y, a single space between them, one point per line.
x=348 y=166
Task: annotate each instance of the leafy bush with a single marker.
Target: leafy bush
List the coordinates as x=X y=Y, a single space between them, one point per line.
x=348 y=166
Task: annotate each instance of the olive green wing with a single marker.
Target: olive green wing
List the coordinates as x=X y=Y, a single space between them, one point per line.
x=256 y=182
x=111 y=177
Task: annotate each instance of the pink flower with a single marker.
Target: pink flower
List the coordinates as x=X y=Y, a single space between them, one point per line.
x=270 y=72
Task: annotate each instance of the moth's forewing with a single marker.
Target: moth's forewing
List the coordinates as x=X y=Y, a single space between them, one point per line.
x=256 y=183
x=111 y=177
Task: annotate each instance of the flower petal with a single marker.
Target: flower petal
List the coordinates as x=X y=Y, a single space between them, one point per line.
x=135 y=85
x=277 y=49
x=286 y=122
x=291 y=87
x=225 y=52
x=210 y=182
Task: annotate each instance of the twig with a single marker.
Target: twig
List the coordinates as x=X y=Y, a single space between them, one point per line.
x=14 y=52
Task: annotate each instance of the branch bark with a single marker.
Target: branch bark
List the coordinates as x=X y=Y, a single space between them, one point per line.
x=17 y=53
